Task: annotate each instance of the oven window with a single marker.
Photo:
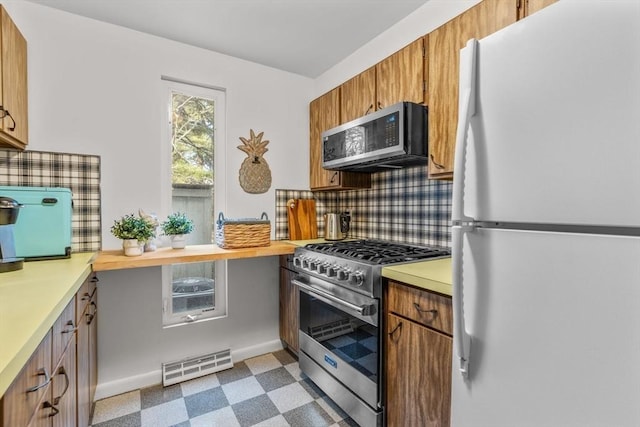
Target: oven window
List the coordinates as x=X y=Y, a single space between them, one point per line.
x=352 y=340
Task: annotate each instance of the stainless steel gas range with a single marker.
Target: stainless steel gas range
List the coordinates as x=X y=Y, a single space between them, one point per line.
x=340 y=285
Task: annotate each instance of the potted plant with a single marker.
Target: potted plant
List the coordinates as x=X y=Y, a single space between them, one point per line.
x=134 y=232
x=176 y=226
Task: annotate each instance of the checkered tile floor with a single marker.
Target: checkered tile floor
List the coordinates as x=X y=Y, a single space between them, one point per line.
x=265 y=391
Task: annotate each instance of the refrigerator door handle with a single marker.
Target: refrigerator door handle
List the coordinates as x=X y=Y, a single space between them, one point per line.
x=462 y=223
x=460 y=334
x=466 y=110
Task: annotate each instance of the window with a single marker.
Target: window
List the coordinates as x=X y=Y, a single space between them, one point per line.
x=193 y=149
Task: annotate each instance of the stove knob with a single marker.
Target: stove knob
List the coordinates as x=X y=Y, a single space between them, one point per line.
x=332 y=270
x=342 y=274
x=322 y=268
x=297 y=262
x=305 y=262
x=313 y=264
x=356 y=278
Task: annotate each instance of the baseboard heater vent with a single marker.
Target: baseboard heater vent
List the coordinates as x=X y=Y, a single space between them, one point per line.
x=194 y=367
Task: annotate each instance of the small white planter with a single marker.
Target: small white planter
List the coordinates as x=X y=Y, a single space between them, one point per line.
x=178 y=241
x=132 y=247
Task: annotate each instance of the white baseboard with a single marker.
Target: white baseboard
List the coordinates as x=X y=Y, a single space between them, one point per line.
x=124 y=385
x=255 y=350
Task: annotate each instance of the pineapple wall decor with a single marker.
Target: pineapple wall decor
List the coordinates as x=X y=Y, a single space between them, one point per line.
x=255 y=175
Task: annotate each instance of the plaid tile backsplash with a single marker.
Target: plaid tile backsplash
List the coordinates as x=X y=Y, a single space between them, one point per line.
x=402 y=206
x=79 y=172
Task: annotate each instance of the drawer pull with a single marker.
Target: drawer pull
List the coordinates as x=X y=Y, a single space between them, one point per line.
x=47 y=380
x=91 y=316
x=422 y=310
x=73 y=328
x=54 y=411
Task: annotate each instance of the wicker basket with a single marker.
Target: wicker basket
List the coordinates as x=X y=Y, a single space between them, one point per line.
x=243 y=232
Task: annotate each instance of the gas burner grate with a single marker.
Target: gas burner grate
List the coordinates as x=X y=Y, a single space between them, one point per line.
x=377 y=251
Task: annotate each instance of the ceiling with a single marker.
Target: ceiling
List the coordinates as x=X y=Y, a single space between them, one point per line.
x=305 y=37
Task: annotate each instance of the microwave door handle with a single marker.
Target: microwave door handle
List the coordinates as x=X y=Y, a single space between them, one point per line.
x=331 y=299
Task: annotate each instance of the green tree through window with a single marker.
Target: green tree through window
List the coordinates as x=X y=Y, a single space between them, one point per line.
x=192 y=143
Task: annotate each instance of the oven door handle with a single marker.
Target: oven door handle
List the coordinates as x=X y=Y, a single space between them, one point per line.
x=362 y=310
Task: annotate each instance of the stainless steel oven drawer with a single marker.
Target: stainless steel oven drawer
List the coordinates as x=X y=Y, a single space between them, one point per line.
x=360 y=384
x=342 y=396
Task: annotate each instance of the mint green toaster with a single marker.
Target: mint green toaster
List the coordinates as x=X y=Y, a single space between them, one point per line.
x=43 y=227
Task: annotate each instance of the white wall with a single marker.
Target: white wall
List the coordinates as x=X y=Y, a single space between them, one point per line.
x=95 y=88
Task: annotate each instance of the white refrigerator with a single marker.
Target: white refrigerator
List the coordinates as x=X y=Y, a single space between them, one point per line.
x=546 y=214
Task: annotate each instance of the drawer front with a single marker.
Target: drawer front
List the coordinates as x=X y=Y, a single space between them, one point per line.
x=63 y=330
x=421 y=306
x=18 y=402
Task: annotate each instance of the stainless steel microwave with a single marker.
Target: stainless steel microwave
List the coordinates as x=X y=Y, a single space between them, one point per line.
x=391 y=138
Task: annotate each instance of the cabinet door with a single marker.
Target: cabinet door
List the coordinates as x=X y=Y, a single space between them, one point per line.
x=288 y=310
x=400 y=77
x=445 y=43
x=92 y=320
x=86 y=303
x=324 y=114
x=13 y=95
x=29 y=388
x=418 y=375
x=358 y=96
x=63 y=330
x=63 y=387
x=528 y=7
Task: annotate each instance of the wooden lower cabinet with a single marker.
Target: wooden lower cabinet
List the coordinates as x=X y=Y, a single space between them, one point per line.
x=418 y=359
x=289 y=300
x=19 y=404
x=87 y=378
x=56 y=386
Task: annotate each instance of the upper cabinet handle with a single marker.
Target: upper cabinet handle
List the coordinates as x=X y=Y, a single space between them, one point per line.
x=380 y=105
x=368 y=109
x=436 y=164
x=5 y=113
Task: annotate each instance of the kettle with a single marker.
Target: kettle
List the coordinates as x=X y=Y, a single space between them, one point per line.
x=336 y=225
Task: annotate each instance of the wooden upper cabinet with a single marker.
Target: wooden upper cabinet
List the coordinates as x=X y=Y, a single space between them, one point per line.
x=400 y=77
x=527 y=7
x=324 y=114
x=14 y=130
x=445 y=43
x=358 y=96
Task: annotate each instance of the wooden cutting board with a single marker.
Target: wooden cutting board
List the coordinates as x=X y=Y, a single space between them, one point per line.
x=301 y=214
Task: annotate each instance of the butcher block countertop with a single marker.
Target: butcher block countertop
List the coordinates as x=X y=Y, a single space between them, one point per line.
x=31 y=300
x=432 y=275
x=116 y=260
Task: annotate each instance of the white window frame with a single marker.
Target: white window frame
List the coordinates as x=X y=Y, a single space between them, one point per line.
x=218 y=95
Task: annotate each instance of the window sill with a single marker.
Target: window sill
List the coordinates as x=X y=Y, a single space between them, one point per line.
x=116 y=260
